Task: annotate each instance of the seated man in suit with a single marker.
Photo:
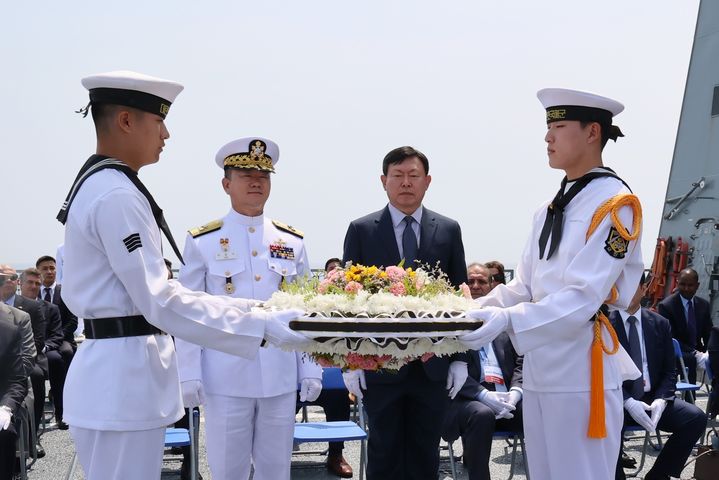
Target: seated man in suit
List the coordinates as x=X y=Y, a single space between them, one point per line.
x=52 y=292
x=713 y=363
x=490 y=400
x=57 y=367
x=479 y=279
x=650 y=400
x=690 y=319
x=40 y=370
x=13 y=388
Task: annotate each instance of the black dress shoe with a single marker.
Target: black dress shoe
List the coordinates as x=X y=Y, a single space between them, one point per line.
x=653 y=475
x=40 y=451
x=627 y=461
x=62 y=425
x=185 y=473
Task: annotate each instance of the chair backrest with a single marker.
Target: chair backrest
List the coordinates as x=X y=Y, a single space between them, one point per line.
x=677 y=348
x=332 y=379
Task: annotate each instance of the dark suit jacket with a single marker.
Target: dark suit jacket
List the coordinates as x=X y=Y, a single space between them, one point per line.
x=37 y=317
x=69 y=319
x=511 y=365
x=370 y=240
x=657 y=335
x=509 y=361
x=53 y=325
x=13 y=383
x=672 y=309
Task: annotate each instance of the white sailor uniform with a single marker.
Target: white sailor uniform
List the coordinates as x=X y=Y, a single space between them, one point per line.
x=250 y=404
x=549 y=305
x=127 y=388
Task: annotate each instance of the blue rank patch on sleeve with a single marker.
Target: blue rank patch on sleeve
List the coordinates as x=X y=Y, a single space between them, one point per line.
x=615 y=245
x=132 y=242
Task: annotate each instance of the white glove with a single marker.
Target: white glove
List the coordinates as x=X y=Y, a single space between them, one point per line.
x=495 y=322
x=637 y=410
x=514 y=397
x=658 y=407
x=702 y=358
x=498 y=402
x=277 y=330
x=310 y=389
x=355 y=382
x=456 y=376
x=193 y=393
x=5 y=417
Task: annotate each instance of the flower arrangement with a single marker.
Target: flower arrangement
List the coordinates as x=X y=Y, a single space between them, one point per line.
x=358 y=293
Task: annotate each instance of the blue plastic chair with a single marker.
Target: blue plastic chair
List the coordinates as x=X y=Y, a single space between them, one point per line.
x=174 y=437
x=343 y=431
x=683 y=385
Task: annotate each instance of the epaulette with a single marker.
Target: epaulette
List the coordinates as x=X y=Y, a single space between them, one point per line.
x=288 y=228
x=206 y=228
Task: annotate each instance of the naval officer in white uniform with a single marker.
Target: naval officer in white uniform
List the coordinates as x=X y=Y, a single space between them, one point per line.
x=558 y=289
x=250 y=404
x=122 y=388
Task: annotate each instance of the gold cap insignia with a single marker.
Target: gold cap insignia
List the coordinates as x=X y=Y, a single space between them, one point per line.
x=256 y=158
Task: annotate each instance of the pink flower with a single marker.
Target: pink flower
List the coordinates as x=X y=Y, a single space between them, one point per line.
x=334 y=275
x=324 y=285
x=465 y=291
x=397 y=288
x=324 y=362
x=395 y=274
x=427 y=356
x=353 y=287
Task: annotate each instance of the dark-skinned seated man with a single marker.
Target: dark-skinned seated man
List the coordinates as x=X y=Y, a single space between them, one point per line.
x=489 y=401
x=650 y=400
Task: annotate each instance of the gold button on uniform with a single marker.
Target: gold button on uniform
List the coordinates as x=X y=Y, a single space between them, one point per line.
x=254 y=253
x=251 y=229
x=258 y=278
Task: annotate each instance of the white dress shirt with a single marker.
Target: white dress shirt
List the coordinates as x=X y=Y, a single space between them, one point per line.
x=645 y=366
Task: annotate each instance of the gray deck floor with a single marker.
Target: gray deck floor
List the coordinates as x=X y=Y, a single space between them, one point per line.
x=60 y=450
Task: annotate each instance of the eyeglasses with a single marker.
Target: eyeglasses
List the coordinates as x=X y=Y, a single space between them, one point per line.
x=8 y=278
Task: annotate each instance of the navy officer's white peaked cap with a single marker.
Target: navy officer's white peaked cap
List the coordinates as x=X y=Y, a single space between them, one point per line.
x=251 y=153
x=132 y=89
x=555 y=97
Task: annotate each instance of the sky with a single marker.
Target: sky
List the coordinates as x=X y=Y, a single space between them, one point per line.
x=337 y=85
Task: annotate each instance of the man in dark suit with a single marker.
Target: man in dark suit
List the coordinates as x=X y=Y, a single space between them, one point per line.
x=13 y=388
x=482 y=406
x=33 y=308
x=405 y=409
x=690 y=319
x=713 y=363
x=650 y=400
x=57 y=367
x=52 y=292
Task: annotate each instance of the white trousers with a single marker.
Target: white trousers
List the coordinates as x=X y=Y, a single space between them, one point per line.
x=243 y=431
x=555 y=433
x=111 y=455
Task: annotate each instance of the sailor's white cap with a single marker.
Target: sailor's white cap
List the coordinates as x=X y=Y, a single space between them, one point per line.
x=565 y=104
x=249 y=152
x=132 y=89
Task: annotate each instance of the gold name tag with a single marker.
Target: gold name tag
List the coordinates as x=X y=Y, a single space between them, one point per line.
x=558 y=114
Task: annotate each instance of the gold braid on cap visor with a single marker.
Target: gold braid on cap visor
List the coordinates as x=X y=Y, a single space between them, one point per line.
x=250 y=160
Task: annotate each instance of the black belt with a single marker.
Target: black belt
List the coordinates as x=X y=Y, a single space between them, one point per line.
x=115 y=327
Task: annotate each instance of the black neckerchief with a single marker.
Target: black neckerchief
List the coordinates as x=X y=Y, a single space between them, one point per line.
x=555 y=211
x=101 y=162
